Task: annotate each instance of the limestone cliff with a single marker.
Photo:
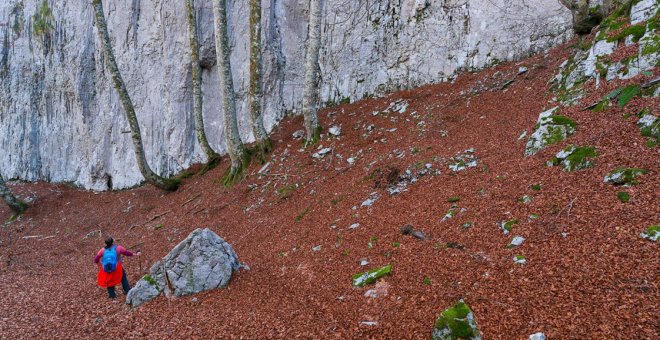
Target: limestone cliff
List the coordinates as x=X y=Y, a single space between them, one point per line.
x=61 y=120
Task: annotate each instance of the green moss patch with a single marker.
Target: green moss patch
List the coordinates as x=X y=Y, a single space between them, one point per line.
x=651 y=233
x=649 y=126
x=150 y=280
x=519 y=259
x=624 y=176
x=456 y=322
x=507 y=226
x=574 y=158
x=371 y=276
x=623 y=196
x=635 y=31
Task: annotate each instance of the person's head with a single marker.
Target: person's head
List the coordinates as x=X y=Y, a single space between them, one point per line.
x=109 y=241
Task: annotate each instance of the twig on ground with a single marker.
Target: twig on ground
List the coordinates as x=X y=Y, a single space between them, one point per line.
x=192 y=199
x=157 y=216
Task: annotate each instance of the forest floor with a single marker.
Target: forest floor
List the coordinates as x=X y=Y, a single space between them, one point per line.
x=588 y=272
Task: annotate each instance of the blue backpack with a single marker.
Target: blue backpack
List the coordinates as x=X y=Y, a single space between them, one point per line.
x=109 y=260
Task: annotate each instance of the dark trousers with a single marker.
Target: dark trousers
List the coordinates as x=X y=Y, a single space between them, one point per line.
x=124 y=285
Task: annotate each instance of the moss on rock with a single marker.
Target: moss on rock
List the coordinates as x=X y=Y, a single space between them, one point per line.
x=456 y=322
x=371 y=276
x=651 y=233
x=507 y=226
x=550 y=129
x=574 y=158
x=624 y=176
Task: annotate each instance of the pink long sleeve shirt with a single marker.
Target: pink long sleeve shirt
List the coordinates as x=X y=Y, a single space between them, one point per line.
x=120 y=251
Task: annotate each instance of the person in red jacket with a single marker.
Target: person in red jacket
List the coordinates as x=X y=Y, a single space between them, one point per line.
x=110 y=280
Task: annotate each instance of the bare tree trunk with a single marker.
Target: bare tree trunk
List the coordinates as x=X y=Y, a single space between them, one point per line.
x=263 y=142
x=15 y=204
x=239 y=158
x=211 y=155
x=149 y=175
x=311 y=86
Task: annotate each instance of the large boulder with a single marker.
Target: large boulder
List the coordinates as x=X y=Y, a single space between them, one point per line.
x=201 y=262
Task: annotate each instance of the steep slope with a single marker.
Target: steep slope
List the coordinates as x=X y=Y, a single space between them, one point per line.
x=61 y=120
x=588 y=273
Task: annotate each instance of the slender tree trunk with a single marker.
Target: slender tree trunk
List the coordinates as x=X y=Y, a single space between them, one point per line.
x=15 y=204
x=149 y=175
x=263 y=142
x=311 y=86
x=239 y=158
x=211 y=155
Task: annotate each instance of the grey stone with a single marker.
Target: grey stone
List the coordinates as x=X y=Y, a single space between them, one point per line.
x=517 y=241
x=202 y=261
x=335 y=131
x=537 y=336
x=642 y=11
x=321 y=153
x=298 y=134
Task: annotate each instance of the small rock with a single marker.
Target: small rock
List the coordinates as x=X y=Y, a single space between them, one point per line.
x=522 y=70
x=354 y=226
x=370 y=201
x=409 y=230
x=419 y=235
x=316 y=248
x=298 y=134
x=381 y=289
x=321 y=153
x=194 y=300
x=517 y=241
x=335 y=131
x=519 y=259
x=369 y=323
x=651 y=233
x=537 y=336
x=350 y=160
x=363 y=262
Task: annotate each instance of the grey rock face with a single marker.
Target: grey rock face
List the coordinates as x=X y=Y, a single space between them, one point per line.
x=550 y=129
x=201 y=262
x=61 y=120
x=586 y=66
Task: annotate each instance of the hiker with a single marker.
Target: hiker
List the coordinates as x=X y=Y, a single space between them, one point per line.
x=111 y=271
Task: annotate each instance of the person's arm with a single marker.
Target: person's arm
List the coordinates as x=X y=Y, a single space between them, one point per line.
x=98 y=256
x=123 y=251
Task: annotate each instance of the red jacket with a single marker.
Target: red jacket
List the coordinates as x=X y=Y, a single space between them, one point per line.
x=104 y=279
